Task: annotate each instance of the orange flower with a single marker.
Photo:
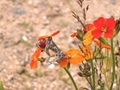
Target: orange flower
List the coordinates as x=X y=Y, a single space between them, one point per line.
x=34 y=58
x=41 y=46
x=101 y=44
x=46 y=36
x=73 y=56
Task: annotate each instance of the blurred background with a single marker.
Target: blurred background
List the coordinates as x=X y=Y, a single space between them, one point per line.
x=23 y=21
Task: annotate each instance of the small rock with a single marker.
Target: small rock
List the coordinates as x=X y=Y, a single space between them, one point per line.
x=23 y=63
x=5 y=45
x=10 y=77
x=56 y=8
x=46 y=22
x=112 y=1
x=18 y=11
x=21 y=70
x=51 y=66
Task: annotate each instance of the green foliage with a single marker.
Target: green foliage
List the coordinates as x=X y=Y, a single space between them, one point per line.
x=1 y=85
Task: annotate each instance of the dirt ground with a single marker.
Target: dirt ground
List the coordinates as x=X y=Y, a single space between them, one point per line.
x=23 y=21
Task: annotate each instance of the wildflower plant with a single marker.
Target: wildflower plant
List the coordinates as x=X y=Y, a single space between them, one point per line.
x=98 y=54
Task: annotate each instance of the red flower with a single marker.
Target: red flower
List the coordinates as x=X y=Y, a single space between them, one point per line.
x=103 y=25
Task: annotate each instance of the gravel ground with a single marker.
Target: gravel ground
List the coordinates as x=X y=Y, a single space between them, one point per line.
x=22 y=21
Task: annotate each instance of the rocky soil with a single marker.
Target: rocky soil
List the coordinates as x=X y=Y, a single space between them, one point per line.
x=23 y=21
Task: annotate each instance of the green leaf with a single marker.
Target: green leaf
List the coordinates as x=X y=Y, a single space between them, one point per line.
x=102 y=40
x=103 y=57
x=1 y=85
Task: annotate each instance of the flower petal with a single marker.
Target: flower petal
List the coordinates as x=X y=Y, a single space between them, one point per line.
x=88 y=38
x=36 y=54
x=43 y=37
x=63 y=62
x=110 y=23
x=33 y=64
x=46 y=36
x=97 y=33
x=34 y=58
x=108 y=34
x=99 y=23
x=55 y=33
x=89 y=27
x=74 y=34
x=72 y=52
x=76 y=59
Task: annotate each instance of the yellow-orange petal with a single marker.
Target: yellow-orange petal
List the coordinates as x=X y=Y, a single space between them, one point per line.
x=88 y=41
x=55 y=33
x=75 y=56
x=73 y=51
x=88 y=38
x=63 y=62
x=101 y=44
x=33 y=64
x=74 y=34
x=76 y=59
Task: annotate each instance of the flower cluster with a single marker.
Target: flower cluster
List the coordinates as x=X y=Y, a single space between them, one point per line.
x=96 y=46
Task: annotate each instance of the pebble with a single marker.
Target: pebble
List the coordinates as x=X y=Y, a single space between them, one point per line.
x=51 y=66
x=5 y=45
x=20 y=70
x=112 y=1
x=22 y=63
x=18 y=11
x=10 y=77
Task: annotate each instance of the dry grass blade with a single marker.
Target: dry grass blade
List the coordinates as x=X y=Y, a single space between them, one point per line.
x=79 y=20
x=84 y=14
x=80 y=2
x=87 y=7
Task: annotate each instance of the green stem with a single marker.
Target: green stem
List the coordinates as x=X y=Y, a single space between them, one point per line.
x=113 y=62
x=76 y=88
x=93 y=74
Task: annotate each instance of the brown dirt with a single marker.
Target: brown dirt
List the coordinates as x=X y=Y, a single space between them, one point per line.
x=22 y=21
